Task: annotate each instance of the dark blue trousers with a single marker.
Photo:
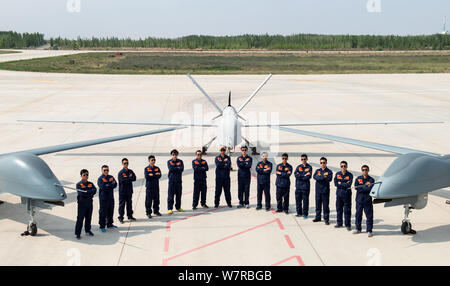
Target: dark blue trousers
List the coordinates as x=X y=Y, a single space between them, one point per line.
x=84 y=214
x=125 y=200
x=151 y=199
x=367 y=207
x=106 y=213
x=344 y=207
x=243 y=190
x=302 y=201
x=263 y=188
x=225 y=185
x=175 y=191
x=282 y=199
x=200 y=190
x=323 y=201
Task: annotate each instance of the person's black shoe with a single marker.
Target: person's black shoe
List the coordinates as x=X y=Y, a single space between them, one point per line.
x=316 y=219
x=78 y=237
x=132 y=218
x=89 y=233
x=267 y=209
x=158 y=214
x=278 y=211
x=286 y=212
x=349 y=228
x=205 y=206
x=240 y=206
x=1 y=202
x=216 y=206
x=230 y=206
x=327 y=222
x=149 y=216
x=258 y=208
x=338 y=226
x=120 y=220
x=194 y=208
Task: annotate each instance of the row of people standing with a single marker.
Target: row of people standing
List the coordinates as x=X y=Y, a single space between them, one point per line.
x=152 y=173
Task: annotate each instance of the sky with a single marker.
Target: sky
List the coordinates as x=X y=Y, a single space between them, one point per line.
x=175 y=18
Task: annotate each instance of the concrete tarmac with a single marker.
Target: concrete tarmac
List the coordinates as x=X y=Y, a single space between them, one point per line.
x=221 y=236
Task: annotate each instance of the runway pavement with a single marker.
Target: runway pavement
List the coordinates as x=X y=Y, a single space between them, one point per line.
x=221 y=236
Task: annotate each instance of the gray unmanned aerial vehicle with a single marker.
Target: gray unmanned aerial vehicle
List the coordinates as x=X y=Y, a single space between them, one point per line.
x=40 y=186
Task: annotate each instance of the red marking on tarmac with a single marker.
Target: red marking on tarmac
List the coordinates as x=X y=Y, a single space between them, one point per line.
x=299 y=260
x=288 y=240
x=280 y=224
x=168 y=226
x=165 y=261
x=166 y=244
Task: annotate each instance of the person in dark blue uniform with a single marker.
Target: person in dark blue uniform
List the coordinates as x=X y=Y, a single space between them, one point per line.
x=106 y=185
x=223 y=167
x=323 y=177
x=283 y=183
x=176 y=168
x=86 y=191
x=152 y=174
x=343 y=182
x=200 y=168
x=126 y=178
x=363 y=186
x=244 y=163
x=263 y=169
x=303 y=174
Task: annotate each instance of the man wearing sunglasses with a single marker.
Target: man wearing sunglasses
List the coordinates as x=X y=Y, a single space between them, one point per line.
x=200 y=168
x=244 y=163
x=283 y=183
x=303 y=174
x=106 y=185
x=363 y=186
x=86 y=191
x=343 y=182
x=323 y=177
x=264 y=169
x=126 y=178
x=176 y=168
x=223 y=167
x=152 y=174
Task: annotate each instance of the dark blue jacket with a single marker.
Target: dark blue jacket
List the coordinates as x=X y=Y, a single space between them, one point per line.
x=223 y=166
x=200 y=167
x=176 y=169
x=323 y=179
x=244 y=164
x=283 y=179
x=263 y=176
x=88 y=191
x=152 y=175
x=126 y=179
x=106 y=186
x=363 y=187
x=344 y=188
x=302 y=176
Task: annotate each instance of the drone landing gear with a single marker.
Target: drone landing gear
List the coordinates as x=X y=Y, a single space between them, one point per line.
x=206 y=146
x=32 y=225
x=406 y=224
x=252 y=148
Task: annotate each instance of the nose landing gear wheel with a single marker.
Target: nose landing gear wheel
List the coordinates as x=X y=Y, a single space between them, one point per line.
x=406 y=227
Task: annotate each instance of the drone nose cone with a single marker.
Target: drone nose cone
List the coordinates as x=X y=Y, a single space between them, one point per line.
x=28 y=176
x=412 y=174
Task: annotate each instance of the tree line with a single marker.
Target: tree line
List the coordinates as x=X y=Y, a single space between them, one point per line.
x=14 y=40
x=271 y=42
